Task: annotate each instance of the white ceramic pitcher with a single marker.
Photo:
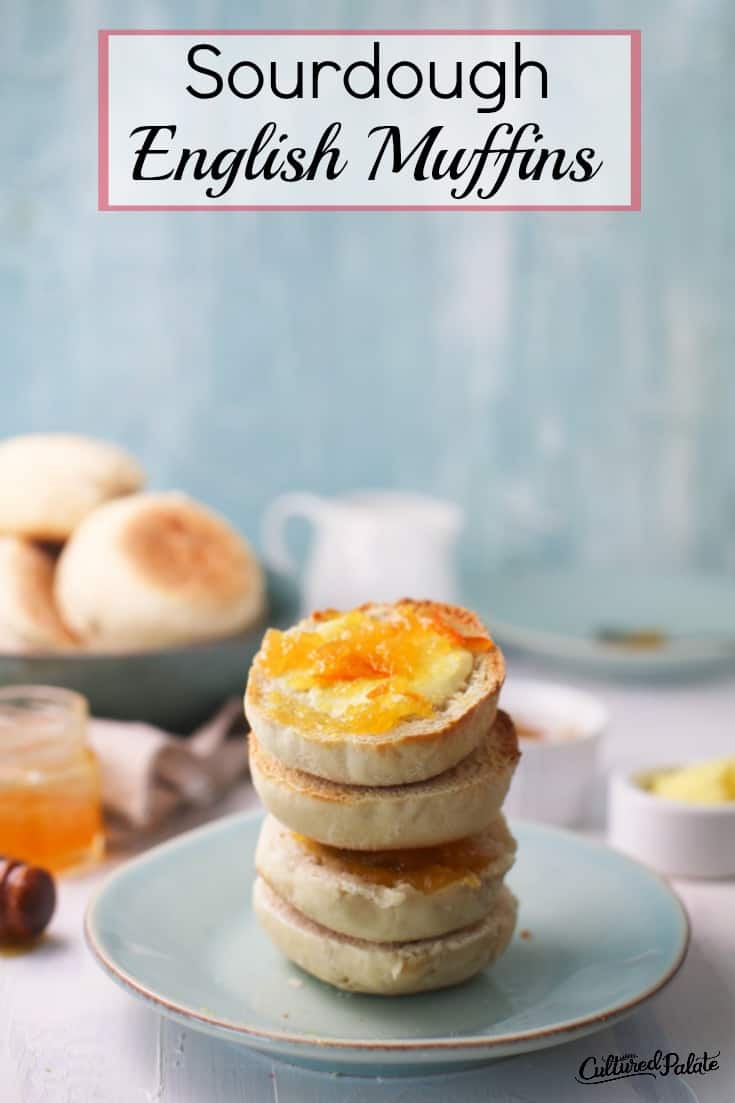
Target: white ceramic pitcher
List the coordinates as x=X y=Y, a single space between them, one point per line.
x=371 y=546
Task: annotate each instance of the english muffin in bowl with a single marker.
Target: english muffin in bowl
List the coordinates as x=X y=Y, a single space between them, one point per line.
x=49 y=482
x=157 y=570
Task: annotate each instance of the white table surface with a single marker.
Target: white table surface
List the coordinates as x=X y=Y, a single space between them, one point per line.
x=68 y=1035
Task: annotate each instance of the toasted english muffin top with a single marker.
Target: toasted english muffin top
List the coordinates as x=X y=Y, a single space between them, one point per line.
x=369 y=669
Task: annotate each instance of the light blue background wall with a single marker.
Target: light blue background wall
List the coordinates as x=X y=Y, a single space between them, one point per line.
x=567 y=377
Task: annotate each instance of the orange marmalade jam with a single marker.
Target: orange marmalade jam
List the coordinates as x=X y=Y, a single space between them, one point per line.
x=50 y=807
x=56 y=825
x=364 y=672
x=427 y=869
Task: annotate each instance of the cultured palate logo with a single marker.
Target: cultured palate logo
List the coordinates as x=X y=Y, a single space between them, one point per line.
x=614 y=1066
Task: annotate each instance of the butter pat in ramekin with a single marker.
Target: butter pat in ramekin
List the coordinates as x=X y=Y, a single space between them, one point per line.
x=679 y=837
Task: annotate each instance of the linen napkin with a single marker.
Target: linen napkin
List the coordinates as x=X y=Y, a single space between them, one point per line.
x=148 y=774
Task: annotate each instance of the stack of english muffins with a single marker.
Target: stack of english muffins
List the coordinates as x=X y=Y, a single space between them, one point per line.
x=379 y=752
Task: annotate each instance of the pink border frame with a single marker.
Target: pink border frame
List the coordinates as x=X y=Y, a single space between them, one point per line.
x=104 y=204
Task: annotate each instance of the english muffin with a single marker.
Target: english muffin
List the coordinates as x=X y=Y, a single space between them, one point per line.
x=462 y=801
x=381 y=695
x=156 y=570
x=387 y=896
x=29 y=619
x=50 y=481
x=385 y=968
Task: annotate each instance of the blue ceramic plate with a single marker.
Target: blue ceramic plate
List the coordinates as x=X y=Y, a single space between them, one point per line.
x=591 y=618
x=597 y=935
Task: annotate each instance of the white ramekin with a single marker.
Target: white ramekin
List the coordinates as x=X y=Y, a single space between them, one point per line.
x=555 y=775
x=671 y=836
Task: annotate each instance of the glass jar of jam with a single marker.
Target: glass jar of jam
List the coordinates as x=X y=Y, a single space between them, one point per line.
x=50 y=803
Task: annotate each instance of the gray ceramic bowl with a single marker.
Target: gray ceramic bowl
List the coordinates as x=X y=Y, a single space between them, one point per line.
x=176 y=688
